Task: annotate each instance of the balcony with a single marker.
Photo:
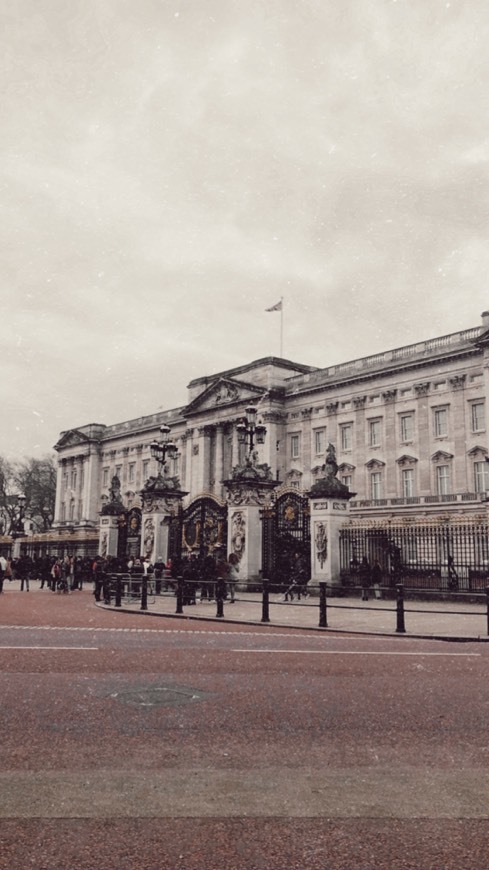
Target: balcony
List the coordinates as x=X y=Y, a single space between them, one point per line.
x=419 y=500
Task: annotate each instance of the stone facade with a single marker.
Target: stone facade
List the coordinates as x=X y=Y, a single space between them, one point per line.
x=408 y=427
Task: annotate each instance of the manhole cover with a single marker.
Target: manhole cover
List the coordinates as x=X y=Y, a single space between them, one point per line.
x=159 y=696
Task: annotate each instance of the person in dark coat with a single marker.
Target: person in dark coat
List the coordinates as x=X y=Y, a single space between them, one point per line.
x=365 y=573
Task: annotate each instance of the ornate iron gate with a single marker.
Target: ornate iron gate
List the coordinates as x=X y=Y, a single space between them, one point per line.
x=286 y=530
x=129 y=538
x=443 y=555
x=200 y=529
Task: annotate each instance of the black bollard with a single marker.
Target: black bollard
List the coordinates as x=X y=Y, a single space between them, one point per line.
x=265 y=617
x=144 y=593
x=179 y=595
x=118 y=591
x=323 y=618
x=220 y=593
x=400 y=628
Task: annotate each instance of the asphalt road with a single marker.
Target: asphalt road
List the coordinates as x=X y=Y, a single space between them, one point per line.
x=137 y=742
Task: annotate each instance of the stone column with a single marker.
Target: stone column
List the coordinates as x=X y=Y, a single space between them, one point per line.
x=59 y=488
x=188 y=459
x=218 y=465
x=202 y=480
x=306 y=415
x=390 y=441
x=459 y=434
x=423 y=425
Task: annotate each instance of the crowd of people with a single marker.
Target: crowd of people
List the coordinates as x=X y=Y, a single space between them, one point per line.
x=64 y=574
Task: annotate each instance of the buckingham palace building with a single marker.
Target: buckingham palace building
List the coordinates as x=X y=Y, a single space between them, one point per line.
x=408 y=427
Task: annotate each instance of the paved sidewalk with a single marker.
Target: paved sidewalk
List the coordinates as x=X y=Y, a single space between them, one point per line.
x=458 y=620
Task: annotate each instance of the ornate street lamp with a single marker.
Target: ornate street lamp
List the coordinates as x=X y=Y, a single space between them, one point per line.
x=250 y=432
x=18 y=522
x=47 y=518
x=160 y=450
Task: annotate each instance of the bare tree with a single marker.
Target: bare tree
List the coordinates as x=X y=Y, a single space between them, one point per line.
x=36 y=480
x=33 y=479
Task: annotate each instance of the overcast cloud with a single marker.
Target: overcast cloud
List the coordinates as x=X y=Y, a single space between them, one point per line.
x=170 y=169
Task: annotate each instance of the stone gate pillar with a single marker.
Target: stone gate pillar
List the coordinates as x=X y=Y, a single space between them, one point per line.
x=109 y=521
x=161 y=499
x=329 y=500
x=247 y=493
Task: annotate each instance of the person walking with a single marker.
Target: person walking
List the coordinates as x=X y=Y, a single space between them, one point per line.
x=3 y=567
x=159 y=567
x=365 y=577
x=233 y=576
x=377 y=579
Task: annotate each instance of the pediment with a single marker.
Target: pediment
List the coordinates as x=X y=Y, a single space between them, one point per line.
x=222 y=392
x=441 y=455
x=72 y=438
x=405 y=459
x=346 y=468
x=374 y=463
x=477 y=451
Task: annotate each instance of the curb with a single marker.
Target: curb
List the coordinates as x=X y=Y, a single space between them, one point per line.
x=315 y=628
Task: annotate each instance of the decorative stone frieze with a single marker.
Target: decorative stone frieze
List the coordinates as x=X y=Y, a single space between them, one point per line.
x=421 y=389
x=457 y=382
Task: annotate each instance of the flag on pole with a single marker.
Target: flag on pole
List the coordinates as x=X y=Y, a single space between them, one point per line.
x=276 y=307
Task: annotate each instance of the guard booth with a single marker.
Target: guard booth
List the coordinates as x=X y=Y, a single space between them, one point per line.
x=286 y=530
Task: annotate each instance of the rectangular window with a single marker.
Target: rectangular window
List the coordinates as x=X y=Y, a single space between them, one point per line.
x=374 y=433
x=73 y=479
x=443 y=479
x=478 y=417
x=319 y=441
x=347 y=480
x=131 y=472
x=408 y=482
x=407 y=427
x=440 y=421
x=481 y=476
x=346 y=432
x=118 y=471
x=295 y=445
x=105 y=477
x=145 y=470
x=376 y=485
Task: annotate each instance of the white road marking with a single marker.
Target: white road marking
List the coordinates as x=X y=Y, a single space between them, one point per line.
x=339 y=652
x=51 y=647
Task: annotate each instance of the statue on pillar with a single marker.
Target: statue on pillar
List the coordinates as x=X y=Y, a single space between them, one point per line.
x=328 y=486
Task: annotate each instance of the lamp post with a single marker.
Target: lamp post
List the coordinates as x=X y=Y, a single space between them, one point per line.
x=250 y=432
x=162 y=449
x=47 y=518
x=17 y=526
x=18 y=523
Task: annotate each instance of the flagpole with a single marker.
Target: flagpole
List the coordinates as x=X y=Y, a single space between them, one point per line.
x=281 y=327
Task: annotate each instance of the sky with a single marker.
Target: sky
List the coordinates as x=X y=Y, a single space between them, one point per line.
x=171 y=168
